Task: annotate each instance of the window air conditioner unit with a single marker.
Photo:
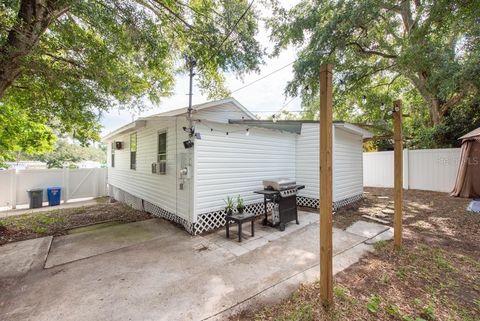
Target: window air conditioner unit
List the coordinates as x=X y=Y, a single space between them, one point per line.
x=118 y=145
x=159 y=168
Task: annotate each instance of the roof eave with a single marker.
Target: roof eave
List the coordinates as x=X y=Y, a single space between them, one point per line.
x=128 y=128
x=354 y=129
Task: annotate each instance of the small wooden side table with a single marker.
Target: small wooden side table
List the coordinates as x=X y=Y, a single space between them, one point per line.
x=240 y=219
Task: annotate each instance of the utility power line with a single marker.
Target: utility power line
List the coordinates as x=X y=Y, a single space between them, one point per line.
x=261 y=78
x=229 y=33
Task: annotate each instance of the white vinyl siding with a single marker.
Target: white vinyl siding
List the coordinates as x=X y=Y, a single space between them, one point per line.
x=236 y=164
x=347 y=163
x=160 y=190
x=229 y=165
x=307 y=161
x=220 y=114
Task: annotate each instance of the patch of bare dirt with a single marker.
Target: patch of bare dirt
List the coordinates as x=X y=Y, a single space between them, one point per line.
x=58 y=222
x=436 y=275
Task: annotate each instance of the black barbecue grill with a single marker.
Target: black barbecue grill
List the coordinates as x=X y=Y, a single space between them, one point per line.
x=283 y=193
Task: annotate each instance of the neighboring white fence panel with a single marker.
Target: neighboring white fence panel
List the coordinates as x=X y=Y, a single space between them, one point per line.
x=378 y=169
x=75 y=183
x=5 y=187
x=426 y=169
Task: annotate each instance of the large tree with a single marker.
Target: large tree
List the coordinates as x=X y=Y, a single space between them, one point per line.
x=63 y=62
x=429 y=47
x=19 y=134
x=69 y=154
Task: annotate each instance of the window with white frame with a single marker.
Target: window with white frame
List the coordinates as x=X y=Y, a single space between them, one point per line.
x=133 y=151
x=162 y=147
x=112 y=154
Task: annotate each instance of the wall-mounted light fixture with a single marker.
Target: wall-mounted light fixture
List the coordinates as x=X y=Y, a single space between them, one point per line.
x=188 y=144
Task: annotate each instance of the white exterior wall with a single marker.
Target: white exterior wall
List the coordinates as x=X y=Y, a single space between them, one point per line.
x=236 y=164
x=220 y=114
x=307 y=161
x=229 y=165
x=161 y=190
x=347 y=163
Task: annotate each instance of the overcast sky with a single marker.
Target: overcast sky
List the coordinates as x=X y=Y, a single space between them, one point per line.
x=264 y=97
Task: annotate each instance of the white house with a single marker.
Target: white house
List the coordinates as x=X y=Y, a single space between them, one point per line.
x=150 y=168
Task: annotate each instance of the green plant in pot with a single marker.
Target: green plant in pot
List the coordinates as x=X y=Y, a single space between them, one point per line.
x=229 y=205
x=240 y=204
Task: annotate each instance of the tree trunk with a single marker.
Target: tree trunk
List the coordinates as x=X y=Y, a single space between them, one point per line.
x=434 y=103
x=435 y=111
x=33 y=19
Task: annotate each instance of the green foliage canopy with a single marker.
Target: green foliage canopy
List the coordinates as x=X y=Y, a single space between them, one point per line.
x=68 y=154
x=64 y=62
x=19 y=134
x=424 y=52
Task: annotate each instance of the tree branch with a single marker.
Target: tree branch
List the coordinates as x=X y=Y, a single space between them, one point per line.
x=69 y=61
x=161 y=4
x=372 y=52
x=454 y=100
x=368 y=74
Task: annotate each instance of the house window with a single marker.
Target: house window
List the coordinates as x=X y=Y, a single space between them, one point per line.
x=112 y=154
x=162 y=147
x=133 y=151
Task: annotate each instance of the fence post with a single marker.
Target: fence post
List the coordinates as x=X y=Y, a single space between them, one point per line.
x=406 y=169
x=326 y=241
x=398 y=175
x=13 y=188
x=66 y=183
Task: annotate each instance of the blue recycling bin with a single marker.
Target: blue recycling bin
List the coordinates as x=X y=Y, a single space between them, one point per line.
x=54 y=195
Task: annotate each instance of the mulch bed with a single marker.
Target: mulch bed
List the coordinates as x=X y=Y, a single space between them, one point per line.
x=58 y=222
x=436 y=275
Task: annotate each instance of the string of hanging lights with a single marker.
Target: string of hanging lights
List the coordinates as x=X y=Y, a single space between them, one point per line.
x=382 y=106
x=246 y=131
x=212 y=129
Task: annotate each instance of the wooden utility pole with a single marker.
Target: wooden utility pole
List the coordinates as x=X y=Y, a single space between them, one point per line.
x=326 y=252
x=398 y=172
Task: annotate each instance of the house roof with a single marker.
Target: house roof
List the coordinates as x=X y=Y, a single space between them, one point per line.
x=131 y=127
x=198 y=107
x=141 y=122
x=471 y=135
x=295 y=126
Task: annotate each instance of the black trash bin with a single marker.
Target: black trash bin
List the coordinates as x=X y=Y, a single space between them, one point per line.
x=36 y=197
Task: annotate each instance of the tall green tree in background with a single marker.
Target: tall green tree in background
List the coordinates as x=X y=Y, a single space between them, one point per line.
x=69 y=154
x=20 y=135
x=64 y=62
x=425 y=52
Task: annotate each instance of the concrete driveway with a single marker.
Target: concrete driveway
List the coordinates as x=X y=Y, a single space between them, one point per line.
x=152 y=270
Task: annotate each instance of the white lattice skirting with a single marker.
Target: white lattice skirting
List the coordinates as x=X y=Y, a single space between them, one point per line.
x=211 y=220
x=142 y=205
x=315 y=202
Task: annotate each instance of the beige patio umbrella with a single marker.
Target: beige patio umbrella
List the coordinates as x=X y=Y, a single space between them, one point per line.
x=467 y=183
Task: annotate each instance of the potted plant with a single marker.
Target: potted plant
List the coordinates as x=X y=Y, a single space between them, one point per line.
x=229 y=205
x=240 y=204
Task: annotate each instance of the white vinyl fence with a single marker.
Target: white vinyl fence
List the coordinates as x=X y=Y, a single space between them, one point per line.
x=425 y=169
x=75 y=184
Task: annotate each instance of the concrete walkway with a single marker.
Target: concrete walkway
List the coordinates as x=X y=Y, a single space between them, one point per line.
x=167 y=275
